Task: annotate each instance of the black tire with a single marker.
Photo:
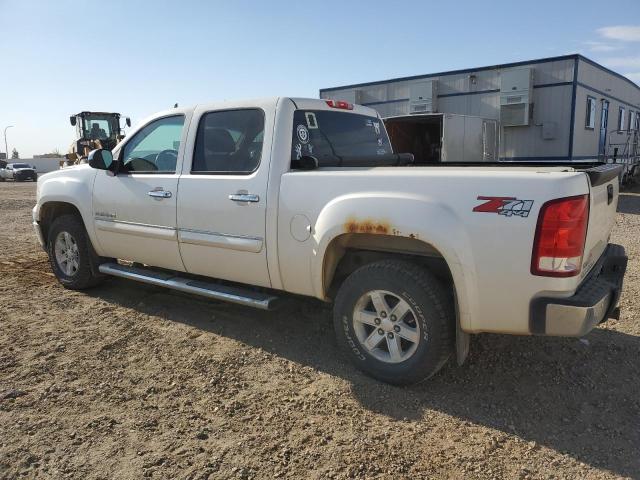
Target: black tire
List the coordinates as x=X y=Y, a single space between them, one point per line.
x=86 y=275
x=431 y=308
x=2 y=179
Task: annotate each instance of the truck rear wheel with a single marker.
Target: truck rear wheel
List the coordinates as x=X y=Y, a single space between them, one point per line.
x=395 y=321
x=71 y=254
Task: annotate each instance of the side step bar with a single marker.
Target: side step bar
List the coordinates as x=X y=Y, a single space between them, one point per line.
x=212 y=290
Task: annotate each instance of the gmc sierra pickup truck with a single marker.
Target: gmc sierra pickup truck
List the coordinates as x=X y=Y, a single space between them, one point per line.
x=245 y=201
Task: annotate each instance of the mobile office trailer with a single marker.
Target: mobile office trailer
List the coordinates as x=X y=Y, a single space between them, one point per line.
x=559 y=109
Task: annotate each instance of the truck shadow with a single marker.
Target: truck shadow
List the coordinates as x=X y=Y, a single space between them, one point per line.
x=580 y=398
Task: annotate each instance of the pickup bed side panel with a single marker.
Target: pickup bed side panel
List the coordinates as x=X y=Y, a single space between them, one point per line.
x=488 y=253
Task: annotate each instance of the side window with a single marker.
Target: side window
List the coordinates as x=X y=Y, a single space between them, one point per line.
x=229 y=142
x=591 y=113
x=621 y=119
x=154 y=149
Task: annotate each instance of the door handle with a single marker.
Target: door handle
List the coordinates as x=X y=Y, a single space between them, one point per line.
x=159 y=194
x=244 y=197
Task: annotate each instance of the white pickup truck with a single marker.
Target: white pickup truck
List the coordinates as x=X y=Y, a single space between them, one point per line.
x=245 y=201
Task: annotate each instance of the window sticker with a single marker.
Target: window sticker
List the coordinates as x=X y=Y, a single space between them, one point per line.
x=381 y=151
x=310 y=148
x=311 y=120
x=303 y=134
x=376 y=126
x=298 y=149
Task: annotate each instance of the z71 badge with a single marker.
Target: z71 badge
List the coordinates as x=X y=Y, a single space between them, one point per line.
x=506 y=206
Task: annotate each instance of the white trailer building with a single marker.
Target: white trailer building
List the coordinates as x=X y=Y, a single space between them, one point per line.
x=566 y=108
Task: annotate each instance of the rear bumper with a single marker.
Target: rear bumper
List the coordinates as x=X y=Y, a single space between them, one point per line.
x=594 y=302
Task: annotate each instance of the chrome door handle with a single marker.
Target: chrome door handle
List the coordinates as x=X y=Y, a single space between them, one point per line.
x=244 y=197
x=159 y=194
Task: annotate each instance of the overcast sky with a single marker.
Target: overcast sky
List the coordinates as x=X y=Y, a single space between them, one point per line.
x=137 y=57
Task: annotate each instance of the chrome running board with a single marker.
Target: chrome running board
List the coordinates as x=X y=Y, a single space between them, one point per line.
x=225 y=293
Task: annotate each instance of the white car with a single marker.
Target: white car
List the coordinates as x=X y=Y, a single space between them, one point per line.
x=248 y=201
x=18 y=172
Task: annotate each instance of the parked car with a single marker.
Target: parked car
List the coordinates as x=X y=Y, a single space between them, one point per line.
x=18 y=172
x=248 y=201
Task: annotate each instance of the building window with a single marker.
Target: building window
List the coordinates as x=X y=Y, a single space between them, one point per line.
x=591 y=113
x=621 y=119
x=632 y=120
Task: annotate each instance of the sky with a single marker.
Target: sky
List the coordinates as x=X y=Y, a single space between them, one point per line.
x=61 y=57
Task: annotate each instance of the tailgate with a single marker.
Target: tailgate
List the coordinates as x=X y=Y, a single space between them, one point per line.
x=603 y=193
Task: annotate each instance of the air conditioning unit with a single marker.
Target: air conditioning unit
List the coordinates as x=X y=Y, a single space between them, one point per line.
x=516 y=97
x=423 y=97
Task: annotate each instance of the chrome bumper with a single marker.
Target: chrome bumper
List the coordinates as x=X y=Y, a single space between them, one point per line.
x=594 y=302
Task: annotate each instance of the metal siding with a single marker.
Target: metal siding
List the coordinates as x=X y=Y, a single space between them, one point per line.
x=550 y=105
x=601 y=84
x=585 y=140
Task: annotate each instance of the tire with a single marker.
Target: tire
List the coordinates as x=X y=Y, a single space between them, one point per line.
x=67 y=234
x=430 y=321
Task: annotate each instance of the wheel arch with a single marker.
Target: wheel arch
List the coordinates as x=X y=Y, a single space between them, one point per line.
x=51 y=210
x=348 y=252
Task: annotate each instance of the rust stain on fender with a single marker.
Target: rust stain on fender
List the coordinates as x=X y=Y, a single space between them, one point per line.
x=368 y=225
x=377 y=227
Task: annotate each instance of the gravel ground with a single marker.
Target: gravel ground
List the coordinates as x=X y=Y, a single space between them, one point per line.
x=130 y=381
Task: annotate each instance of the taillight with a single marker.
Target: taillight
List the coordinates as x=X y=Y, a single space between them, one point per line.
x=339 y=104
x=560 y=236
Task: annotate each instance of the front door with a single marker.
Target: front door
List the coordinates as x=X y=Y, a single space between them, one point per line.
x=604 y=120
x=135 y=210
x=223 y=196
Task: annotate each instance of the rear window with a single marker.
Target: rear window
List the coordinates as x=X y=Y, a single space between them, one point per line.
x=330 y=136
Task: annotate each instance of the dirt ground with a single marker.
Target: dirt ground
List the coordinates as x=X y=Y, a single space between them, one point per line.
x=129 y=381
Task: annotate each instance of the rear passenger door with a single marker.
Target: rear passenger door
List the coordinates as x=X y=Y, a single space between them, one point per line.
x=222 y=196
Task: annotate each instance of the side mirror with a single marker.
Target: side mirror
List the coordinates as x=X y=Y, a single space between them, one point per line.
x=128 y=122
x=100 y=159
x=308 y=162
x=72 y=119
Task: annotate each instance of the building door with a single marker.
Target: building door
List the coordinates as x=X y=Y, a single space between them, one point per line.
x=604 y=120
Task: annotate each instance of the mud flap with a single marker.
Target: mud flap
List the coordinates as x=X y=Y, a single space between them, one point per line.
x=462 y=338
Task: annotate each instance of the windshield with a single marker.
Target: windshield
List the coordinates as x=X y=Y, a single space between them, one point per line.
x=99 y=127
x=21 y=165
x=328 y=135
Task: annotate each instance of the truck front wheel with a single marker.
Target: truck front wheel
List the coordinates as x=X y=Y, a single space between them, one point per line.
x=395 y=321
x=71 y=254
